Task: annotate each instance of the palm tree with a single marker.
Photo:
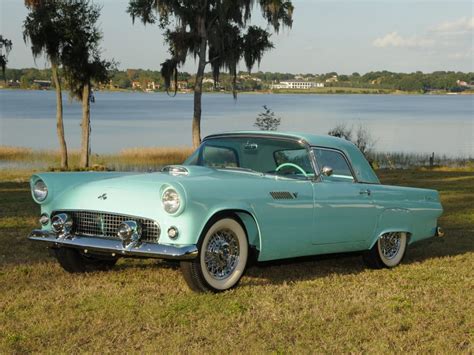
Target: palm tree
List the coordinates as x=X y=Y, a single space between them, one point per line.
x=216 y=32
x=82 y=62
x=7 y=44
x=44 y=29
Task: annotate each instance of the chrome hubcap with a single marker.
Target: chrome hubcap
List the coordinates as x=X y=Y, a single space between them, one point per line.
x=390 y=245
x=222 y=254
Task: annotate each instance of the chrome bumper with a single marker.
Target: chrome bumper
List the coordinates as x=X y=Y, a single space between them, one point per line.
x=114 y=247
x=439 y=232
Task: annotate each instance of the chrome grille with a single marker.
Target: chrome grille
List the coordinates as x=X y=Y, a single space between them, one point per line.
x=103 y=224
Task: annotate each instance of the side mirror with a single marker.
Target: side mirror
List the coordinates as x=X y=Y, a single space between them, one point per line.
x=327 y=171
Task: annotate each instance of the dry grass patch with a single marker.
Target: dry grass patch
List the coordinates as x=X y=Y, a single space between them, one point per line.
x=127 y=159
x=164 y=155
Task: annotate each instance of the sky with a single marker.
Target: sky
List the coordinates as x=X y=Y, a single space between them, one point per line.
x=327 y=35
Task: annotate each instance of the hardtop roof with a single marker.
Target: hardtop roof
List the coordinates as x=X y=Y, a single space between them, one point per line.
x=362 y=168
x=311 y=139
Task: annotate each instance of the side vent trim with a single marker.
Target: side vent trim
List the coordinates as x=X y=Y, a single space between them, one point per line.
x=282 y=195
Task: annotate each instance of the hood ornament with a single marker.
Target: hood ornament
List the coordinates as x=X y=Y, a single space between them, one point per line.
x=102 y=197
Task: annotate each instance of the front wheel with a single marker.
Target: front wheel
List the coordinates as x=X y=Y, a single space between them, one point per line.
x=222 y=259
x=388 y=252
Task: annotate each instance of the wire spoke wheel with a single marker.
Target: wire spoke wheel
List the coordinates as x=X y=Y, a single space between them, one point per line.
x=390 y=244
x=388 y=251
x=223 y=254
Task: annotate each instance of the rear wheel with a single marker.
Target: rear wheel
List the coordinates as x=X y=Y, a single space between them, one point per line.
x=222 y=259
x=388 y=252
x=73 y=261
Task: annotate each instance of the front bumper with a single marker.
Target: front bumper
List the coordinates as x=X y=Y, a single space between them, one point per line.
x=114 y=247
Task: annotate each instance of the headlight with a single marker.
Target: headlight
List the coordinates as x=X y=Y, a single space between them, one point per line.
x=170 y=200
x=40 y=190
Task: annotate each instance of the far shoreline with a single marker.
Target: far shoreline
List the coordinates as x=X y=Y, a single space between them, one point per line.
x=319 y=91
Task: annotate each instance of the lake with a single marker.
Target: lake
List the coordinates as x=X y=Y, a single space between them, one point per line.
x=404 y=123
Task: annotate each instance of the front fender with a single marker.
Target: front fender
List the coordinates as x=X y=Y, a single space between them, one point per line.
x=246 y=214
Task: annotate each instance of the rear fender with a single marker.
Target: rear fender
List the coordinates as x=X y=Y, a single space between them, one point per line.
x=393 y=220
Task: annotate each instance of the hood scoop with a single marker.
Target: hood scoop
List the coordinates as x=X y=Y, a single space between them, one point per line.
x=175 y=170
x=283 y=195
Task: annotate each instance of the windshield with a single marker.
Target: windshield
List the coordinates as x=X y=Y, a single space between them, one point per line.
x=263 y=155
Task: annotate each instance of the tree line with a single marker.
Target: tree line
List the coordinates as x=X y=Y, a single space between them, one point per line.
x=124 y=79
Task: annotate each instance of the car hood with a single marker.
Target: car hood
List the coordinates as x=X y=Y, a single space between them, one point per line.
x=131 y=193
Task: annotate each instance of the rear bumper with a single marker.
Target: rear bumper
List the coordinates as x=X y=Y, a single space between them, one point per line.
x=439 y=232
x=114 y=247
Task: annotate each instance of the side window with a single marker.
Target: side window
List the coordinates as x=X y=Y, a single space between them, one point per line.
x=297 y=157
x=219 y=157
x=336 y=161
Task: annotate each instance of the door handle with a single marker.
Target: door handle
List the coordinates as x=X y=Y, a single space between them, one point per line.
x=365 y=192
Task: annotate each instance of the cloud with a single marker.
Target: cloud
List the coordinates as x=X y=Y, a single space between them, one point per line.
x=393 y=39
x=451 y=39
x=461 y=55
x=464 y=25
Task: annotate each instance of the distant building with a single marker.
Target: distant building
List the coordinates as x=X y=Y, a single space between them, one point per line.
x=136 y=85
x=332 y=79
x=43 y=84
x=13 y=84
x=152 y=86
x=461 y=83
x=297 y=84
x=182 y=85
x=249 y=77
x=208 y=81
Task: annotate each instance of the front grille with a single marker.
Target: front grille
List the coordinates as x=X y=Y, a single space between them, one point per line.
x=103 y=224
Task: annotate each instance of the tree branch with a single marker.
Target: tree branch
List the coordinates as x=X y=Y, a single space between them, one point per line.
x=212 y=60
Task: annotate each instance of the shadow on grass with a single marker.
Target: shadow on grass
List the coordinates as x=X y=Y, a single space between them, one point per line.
x=457 y=242
x=312 y=267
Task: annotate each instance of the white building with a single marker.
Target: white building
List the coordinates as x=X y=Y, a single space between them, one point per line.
x=297 y=84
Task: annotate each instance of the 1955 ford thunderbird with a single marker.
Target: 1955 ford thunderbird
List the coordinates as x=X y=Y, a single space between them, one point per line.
x=262 y=194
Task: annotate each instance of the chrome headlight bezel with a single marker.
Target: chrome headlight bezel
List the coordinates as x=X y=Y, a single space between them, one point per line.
x=39 y=190
x=172 y=201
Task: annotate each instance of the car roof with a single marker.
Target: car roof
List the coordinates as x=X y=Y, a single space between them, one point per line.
x=362 y=168
x=311 y=139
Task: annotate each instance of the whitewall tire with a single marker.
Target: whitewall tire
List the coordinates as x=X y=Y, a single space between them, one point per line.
x=223 y=255
x=388 y=252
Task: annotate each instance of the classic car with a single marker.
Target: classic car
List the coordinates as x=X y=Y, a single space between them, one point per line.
x=240 y=196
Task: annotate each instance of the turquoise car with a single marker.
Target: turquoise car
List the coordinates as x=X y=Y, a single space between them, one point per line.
x=239 y=197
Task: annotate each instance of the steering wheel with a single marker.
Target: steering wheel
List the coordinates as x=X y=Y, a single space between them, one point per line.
x=291 y=165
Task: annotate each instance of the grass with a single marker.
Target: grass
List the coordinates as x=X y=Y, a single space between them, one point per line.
x=325 y=304
x=400 y=160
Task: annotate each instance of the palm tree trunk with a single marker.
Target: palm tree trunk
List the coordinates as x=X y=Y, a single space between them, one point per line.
x=86 y=126
x=59 y=115
x=196 y=130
